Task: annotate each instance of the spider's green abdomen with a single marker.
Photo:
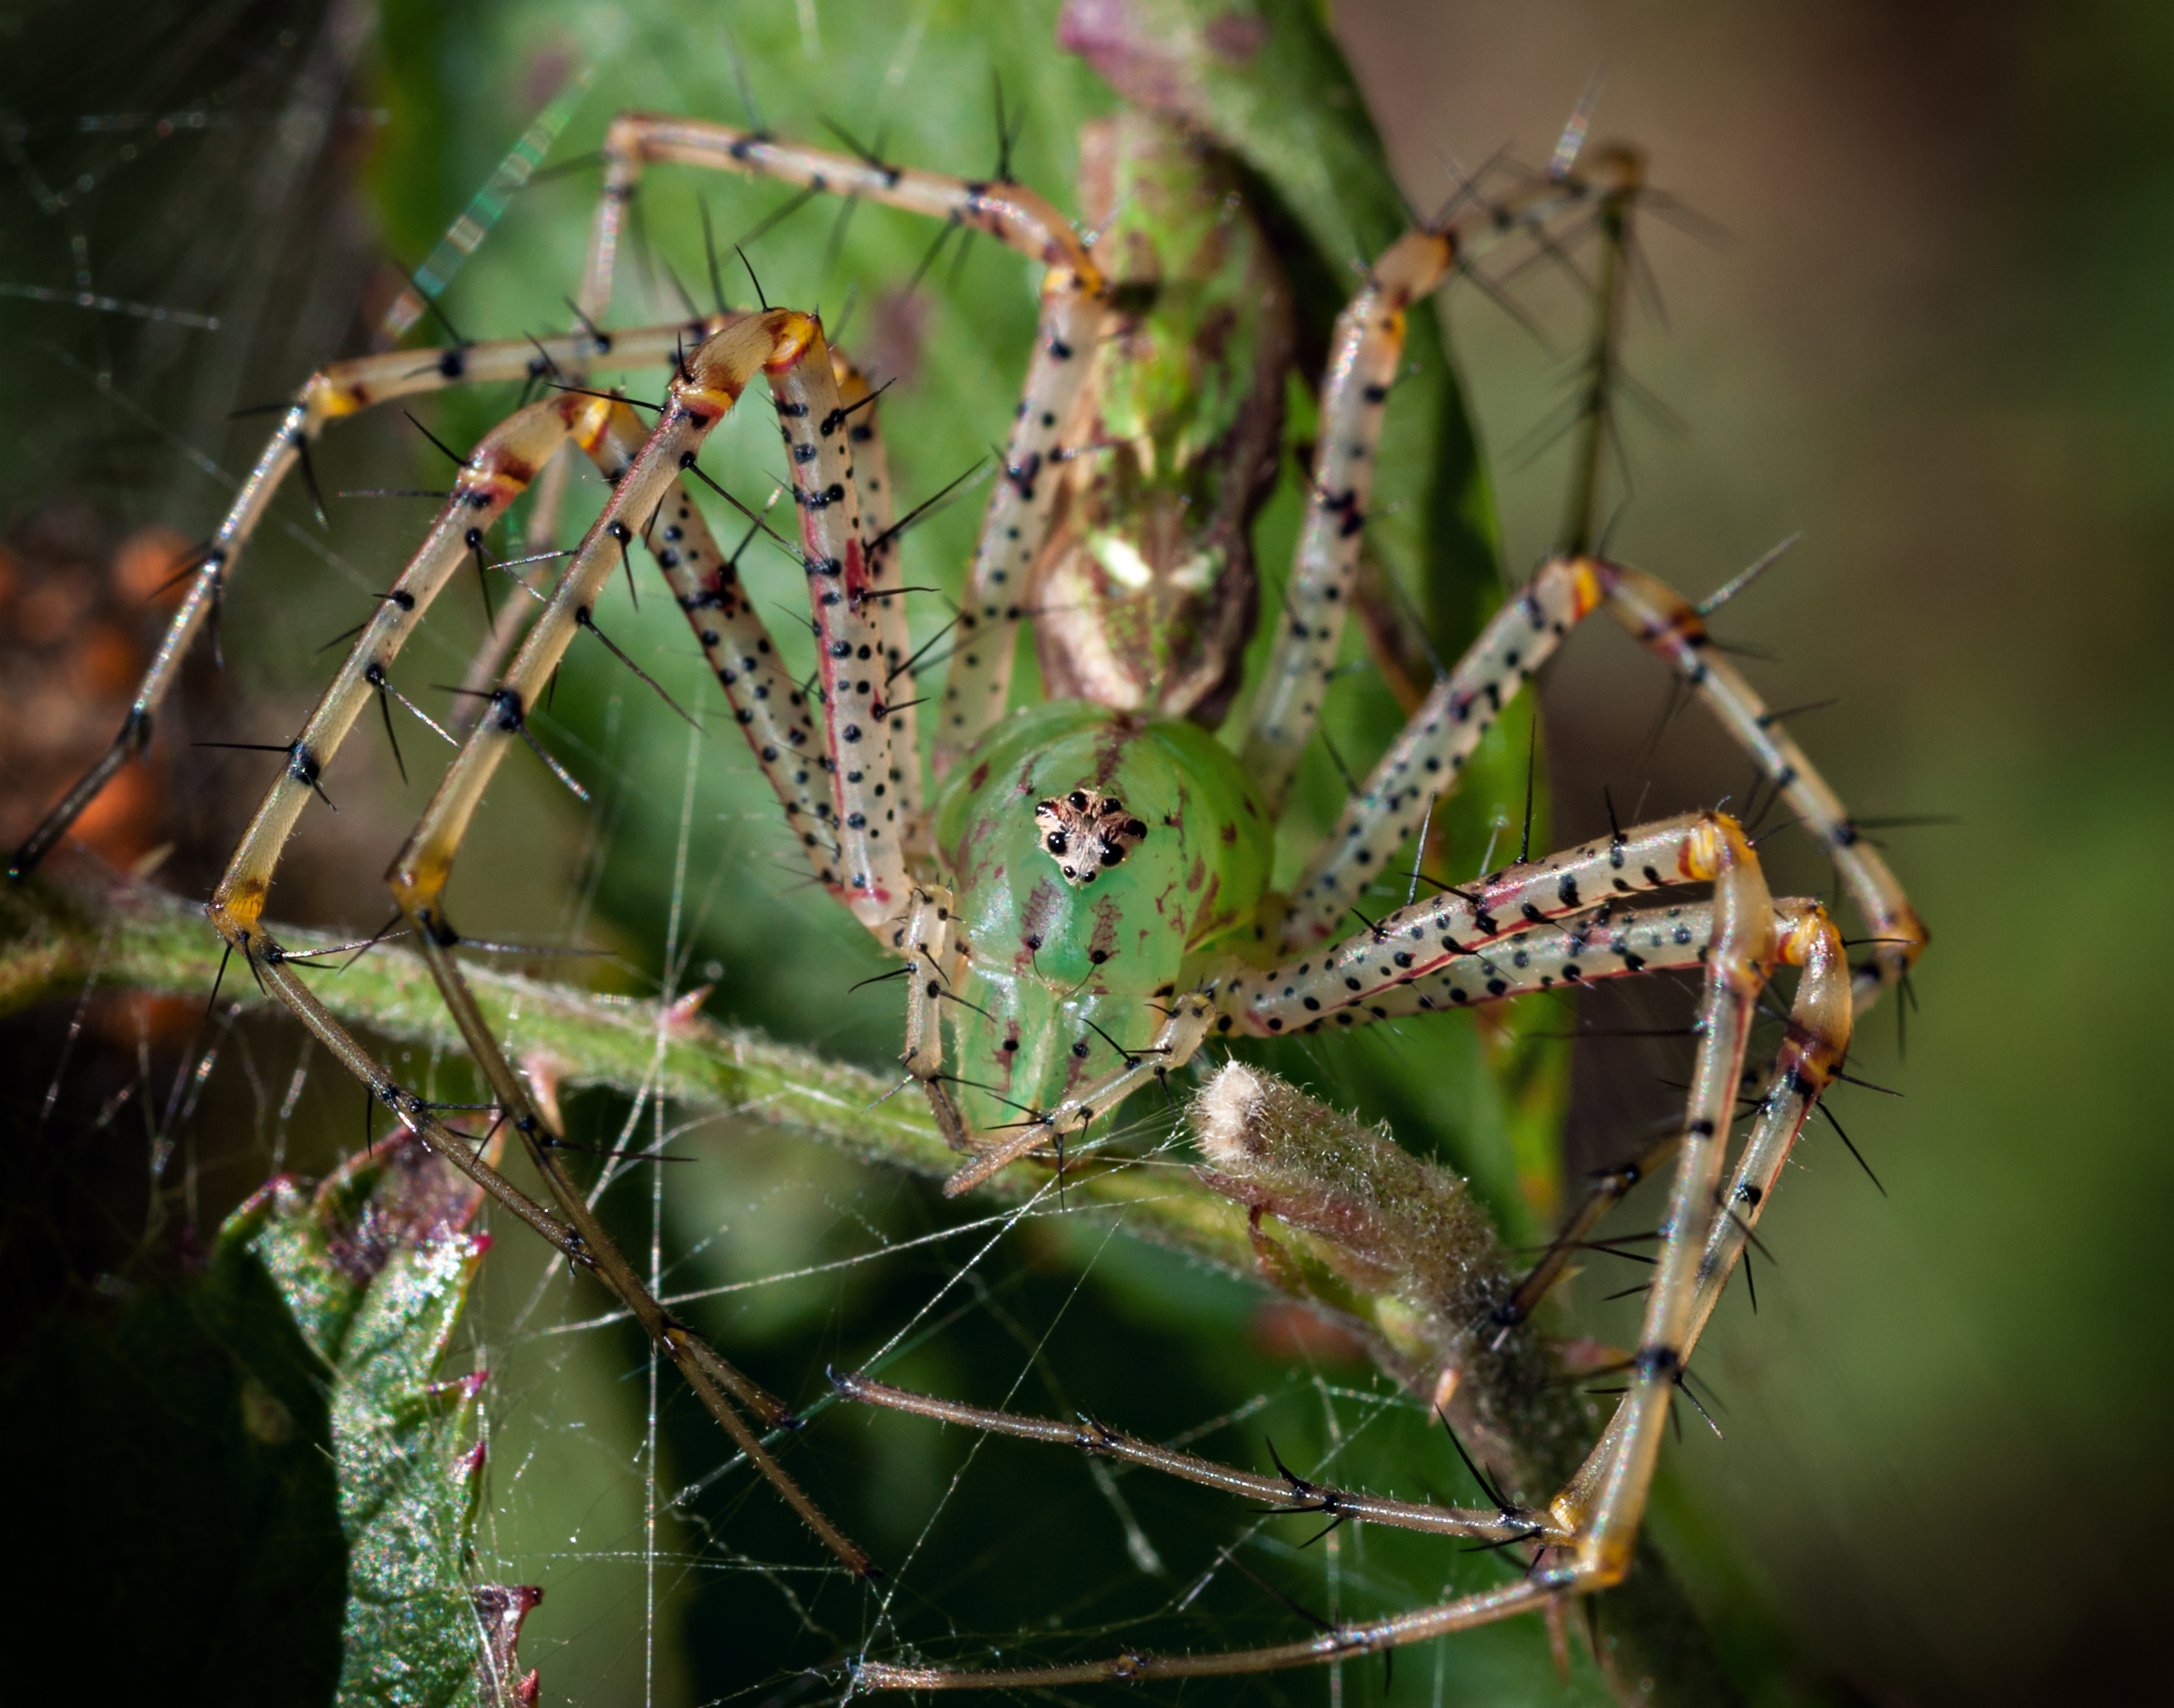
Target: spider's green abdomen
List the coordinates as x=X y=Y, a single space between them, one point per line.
x=1048 y=953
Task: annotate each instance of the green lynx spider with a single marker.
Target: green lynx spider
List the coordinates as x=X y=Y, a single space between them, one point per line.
x=1094 y=869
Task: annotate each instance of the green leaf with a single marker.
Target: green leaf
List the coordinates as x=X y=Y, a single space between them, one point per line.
x=1269 y=84
x=374 y=1266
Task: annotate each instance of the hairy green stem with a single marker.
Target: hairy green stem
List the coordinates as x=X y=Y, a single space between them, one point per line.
x=54 y=940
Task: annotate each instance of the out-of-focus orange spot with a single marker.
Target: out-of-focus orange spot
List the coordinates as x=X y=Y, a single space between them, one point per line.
x=50 y=609
x=121 y=1016
x=105 y=664
x=147 y=561
x=117 y=826
x=1283 y=1328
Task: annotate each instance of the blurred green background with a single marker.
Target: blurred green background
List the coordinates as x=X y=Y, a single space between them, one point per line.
x=1926 y=334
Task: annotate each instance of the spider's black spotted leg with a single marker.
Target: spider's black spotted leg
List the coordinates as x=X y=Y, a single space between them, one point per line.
x=1074 y=306
x=332 y=394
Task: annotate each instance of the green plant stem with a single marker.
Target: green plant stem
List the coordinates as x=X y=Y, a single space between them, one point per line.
x=54 y=940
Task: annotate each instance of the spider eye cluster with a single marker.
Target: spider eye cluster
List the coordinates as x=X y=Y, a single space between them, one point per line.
x=1085 y=832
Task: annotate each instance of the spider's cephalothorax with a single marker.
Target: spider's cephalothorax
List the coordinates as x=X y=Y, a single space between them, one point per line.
x=1095 y=859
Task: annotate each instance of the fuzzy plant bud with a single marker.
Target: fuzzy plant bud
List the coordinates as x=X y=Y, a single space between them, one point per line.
x=1398 y=1222
x=1404 y=1231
